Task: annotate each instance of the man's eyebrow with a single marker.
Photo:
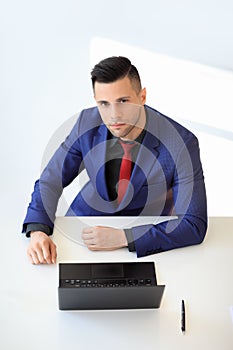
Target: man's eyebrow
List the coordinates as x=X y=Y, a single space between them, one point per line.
x=117 y=100
x=102 y=101
x=122 y=98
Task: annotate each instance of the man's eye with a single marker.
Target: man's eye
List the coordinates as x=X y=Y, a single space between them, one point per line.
x=104 y=104
x=124 y=100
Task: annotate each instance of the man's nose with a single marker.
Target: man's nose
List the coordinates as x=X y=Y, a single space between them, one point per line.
x=116 y=110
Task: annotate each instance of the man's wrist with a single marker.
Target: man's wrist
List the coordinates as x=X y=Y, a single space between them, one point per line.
x=130 y=240
x=124 y=239
x=33 y=227
x=32 y=233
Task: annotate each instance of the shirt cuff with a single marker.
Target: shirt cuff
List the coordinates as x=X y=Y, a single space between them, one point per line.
x=130 y=240
x=37 y=227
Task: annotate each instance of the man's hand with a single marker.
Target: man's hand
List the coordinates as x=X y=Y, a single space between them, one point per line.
x=41 y=249
x=104 y=238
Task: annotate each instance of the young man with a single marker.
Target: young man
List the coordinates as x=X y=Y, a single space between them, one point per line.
x=139 y=162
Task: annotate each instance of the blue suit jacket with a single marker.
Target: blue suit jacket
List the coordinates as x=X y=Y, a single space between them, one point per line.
x=167 y=179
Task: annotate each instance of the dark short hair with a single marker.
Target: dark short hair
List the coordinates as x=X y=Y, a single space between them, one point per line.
x=114 y=68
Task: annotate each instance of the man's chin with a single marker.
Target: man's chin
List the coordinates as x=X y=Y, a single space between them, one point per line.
x=122 y=135
x=118 y=131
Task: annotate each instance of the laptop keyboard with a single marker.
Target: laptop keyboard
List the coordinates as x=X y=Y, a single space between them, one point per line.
x=100 y=283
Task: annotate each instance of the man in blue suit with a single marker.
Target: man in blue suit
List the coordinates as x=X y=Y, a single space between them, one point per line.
x=139 y=163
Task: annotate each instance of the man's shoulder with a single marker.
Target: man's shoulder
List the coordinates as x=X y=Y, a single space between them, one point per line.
x=88 y=119
x=165 y=125
x=90 y=114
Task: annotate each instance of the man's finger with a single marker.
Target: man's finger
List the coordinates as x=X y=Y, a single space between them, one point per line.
x=90 y=242
x=30 y=257
x=46 y=255
x=87 y=230
x=53 y=253
x=92 y=247
x=40 y=255
x=34 y=257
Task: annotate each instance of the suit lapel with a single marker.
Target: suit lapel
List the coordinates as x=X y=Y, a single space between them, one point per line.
x=99 y=147
x=147 y=157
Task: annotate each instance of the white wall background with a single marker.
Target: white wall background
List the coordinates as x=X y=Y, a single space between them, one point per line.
x=47 y=51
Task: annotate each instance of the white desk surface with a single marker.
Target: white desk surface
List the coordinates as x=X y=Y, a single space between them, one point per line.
x=202 y=275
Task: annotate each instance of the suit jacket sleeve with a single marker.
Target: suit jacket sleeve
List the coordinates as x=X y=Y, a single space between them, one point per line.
x=60 y=171
x=189 y=197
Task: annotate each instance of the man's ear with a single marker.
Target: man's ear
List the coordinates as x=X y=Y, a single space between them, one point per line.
x=143 y=96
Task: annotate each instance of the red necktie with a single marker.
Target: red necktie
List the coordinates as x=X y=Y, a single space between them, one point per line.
x=125 y=170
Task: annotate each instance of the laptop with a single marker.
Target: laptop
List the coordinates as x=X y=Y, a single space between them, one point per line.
x=96 y=286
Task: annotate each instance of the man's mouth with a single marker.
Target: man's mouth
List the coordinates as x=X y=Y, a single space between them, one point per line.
x=116 y=124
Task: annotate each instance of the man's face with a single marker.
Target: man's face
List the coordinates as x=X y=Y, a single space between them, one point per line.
x=121 y=108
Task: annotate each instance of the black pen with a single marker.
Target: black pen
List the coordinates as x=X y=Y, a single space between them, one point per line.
x=182 y=316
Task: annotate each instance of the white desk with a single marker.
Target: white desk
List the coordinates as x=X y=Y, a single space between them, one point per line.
x=202 y=275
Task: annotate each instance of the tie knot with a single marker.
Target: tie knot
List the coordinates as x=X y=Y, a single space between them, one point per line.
x=127 y=146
